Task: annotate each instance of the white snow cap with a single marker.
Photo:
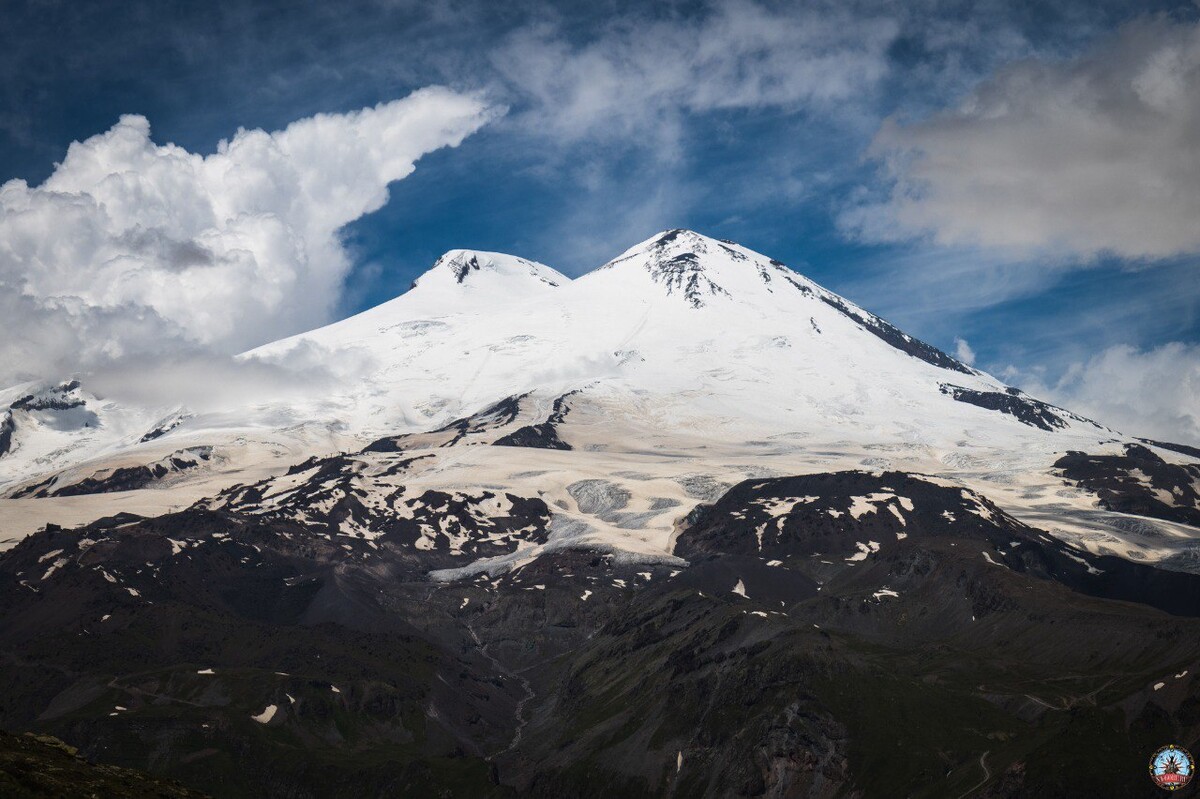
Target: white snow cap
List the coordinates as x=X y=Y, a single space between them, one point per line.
x=477 y=270
x=695 y=270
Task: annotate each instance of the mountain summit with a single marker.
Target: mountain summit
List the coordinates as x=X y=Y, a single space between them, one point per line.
x=701 y=270
x=489 y=271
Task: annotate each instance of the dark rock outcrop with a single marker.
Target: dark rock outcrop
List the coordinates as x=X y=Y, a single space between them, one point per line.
x=1025 y=410
x=1138 y=482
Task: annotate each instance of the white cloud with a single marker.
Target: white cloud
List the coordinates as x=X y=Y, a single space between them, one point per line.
x=136 y=250
x=206 y=382
x=1153 y=393
x=1092 y=155
x=634 y=78
x=963 y=351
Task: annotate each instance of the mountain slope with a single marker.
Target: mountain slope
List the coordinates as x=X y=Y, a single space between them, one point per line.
x=687 y=525
x=685 y=360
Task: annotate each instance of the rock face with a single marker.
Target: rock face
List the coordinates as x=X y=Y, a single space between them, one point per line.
x=1014 y=403
x=41 y=766
x=1138 y=482
x=123 y=478
x=814 y=616
x=543 y=435
x=6 y=433
x=689 y=525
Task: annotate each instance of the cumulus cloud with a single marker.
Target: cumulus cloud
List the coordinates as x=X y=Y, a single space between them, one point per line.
x=963 y=351
x=1093 y=155
x=134 y=250
x=1153 y=393
x=638 y=75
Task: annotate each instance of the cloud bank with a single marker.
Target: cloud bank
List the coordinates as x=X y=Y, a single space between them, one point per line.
x=1153 y=393
x=1094 y=155
x=132 y=249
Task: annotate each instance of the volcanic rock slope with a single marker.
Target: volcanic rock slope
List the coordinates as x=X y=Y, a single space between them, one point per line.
x=687 y=525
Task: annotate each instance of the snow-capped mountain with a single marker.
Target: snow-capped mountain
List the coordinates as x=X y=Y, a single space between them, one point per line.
x=678 y=318
x=689 y=524
x=684 y=360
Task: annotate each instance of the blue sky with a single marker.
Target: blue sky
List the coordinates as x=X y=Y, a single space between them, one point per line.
x=1016 y=176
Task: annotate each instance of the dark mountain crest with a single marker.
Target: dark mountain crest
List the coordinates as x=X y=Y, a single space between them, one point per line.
x=65 y=401
x=1182 y=449
x=1025 y=410
x=329 y=474
x=544 y=435
x=734 y=254
x=164 y=427
x=1018 y=404
x=7 y=428
x=561 y=408
x=764 y=275
x=828 y=514
x=789 y=276
x=462 y=263
x=124 y=478
x=536 y=436
x=428 y=530
x=59 y=398
x=463 y=268
x=808 y=524
x=685 y=274
x=874 y=325
x=659 y=244
x=671 y=236
x=1138 y=482
x=682 y=273
x=895 y=336
x=496 y=415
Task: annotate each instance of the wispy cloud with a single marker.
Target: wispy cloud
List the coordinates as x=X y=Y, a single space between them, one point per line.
x=932 y=289
x=635 y=79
